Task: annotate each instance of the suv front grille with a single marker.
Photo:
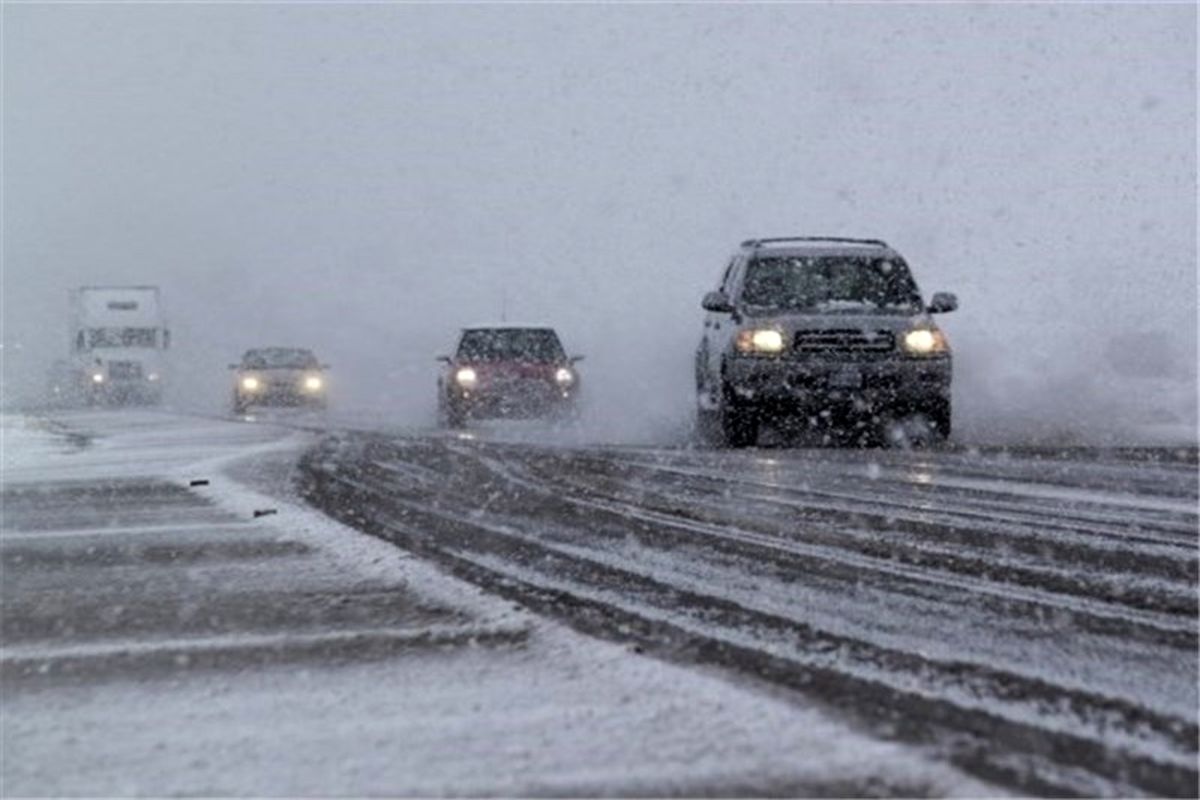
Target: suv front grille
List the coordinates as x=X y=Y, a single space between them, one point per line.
x=844 y=340
x=124 y=370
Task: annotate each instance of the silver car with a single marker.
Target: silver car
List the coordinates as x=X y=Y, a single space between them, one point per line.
x=279 y=376
x=823 y=332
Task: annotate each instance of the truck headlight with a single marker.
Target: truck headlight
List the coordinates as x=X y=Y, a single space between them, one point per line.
x=466 y=377
x=313 y=383
x=925 y=342
x=763 y=341
x=564 y=377
x=250 y=383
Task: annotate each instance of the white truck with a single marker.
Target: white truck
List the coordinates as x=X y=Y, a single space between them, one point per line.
x=118 y=343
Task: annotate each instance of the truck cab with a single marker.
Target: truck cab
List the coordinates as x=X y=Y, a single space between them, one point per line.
x=118 y=343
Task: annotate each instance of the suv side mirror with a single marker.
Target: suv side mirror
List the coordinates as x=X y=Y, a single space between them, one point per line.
x=443 y=359
x=716 y=301
x=941 y=302
x=574 y=359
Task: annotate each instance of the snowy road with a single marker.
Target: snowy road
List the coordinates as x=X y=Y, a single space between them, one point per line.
x=159 y=638
x=1030 y=616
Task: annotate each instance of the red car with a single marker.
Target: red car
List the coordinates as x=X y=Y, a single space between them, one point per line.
x=507 y=371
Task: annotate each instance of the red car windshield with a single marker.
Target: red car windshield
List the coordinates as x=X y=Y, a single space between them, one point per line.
x=531 y=345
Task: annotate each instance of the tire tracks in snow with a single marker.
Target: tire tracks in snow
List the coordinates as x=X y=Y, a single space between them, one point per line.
x=512 y=520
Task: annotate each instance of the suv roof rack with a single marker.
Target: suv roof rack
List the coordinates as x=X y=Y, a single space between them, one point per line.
x=756 y=243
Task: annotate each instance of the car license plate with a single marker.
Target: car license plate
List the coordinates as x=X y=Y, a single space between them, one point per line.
x=848 y=378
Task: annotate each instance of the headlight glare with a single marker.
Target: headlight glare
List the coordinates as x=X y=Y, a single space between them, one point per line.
x=925 y=341
x=250 y=383
x=466 y=377
x=98 y=377
x=564 y=377
x=312 y=383
x=766 y=340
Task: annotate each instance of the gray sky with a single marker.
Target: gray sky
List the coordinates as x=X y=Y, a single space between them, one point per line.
x=364 y=179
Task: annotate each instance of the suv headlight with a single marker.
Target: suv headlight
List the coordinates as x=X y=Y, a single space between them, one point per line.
x=250 y=383
x=313 y=383
x=763 y=341
x=925 y=342
x=564 y=377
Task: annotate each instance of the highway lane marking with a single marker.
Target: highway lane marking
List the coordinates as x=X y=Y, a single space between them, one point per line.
x=219 y=528
x=1011 y=511
x=921 y=575
x=997 y=487
x=1093 y=724
x=26 y=655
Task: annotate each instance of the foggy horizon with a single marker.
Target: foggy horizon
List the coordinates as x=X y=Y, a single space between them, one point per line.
x=365 y=180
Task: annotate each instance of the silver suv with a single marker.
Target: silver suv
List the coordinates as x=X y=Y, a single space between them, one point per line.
x=826 y=332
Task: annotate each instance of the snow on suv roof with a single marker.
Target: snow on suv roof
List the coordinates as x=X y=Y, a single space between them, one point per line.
x=508 y=326
x=826 y=250
x=818 y=245
x=815 y=239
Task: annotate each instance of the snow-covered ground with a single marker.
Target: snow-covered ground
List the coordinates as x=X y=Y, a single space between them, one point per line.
x=549 y=712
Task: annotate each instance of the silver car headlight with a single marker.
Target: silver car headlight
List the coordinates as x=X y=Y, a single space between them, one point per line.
x=250 y=383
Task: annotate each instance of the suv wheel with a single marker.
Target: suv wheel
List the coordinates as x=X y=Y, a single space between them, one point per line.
x=737 y=423
x=939 y=415
x=722 y=421
x=739 y=426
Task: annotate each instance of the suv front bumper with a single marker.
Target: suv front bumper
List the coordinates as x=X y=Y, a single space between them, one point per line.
x=814 y=384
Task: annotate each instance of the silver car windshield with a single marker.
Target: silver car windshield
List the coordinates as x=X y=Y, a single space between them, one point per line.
x=279 y=358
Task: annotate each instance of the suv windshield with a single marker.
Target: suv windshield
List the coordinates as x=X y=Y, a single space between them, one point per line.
x=279 y=358
x=830 y=283
x=510 y=344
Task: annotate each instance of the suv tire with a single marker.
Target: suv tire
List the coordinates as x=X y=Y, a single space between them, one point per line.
x=738 y=423
x=730 y=424
x=939 y=415
x=739 y=426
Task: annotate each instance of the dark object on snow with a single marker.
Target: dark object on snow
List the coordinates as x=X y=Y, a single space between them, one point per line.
x=199 y=482
x=264 y=512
